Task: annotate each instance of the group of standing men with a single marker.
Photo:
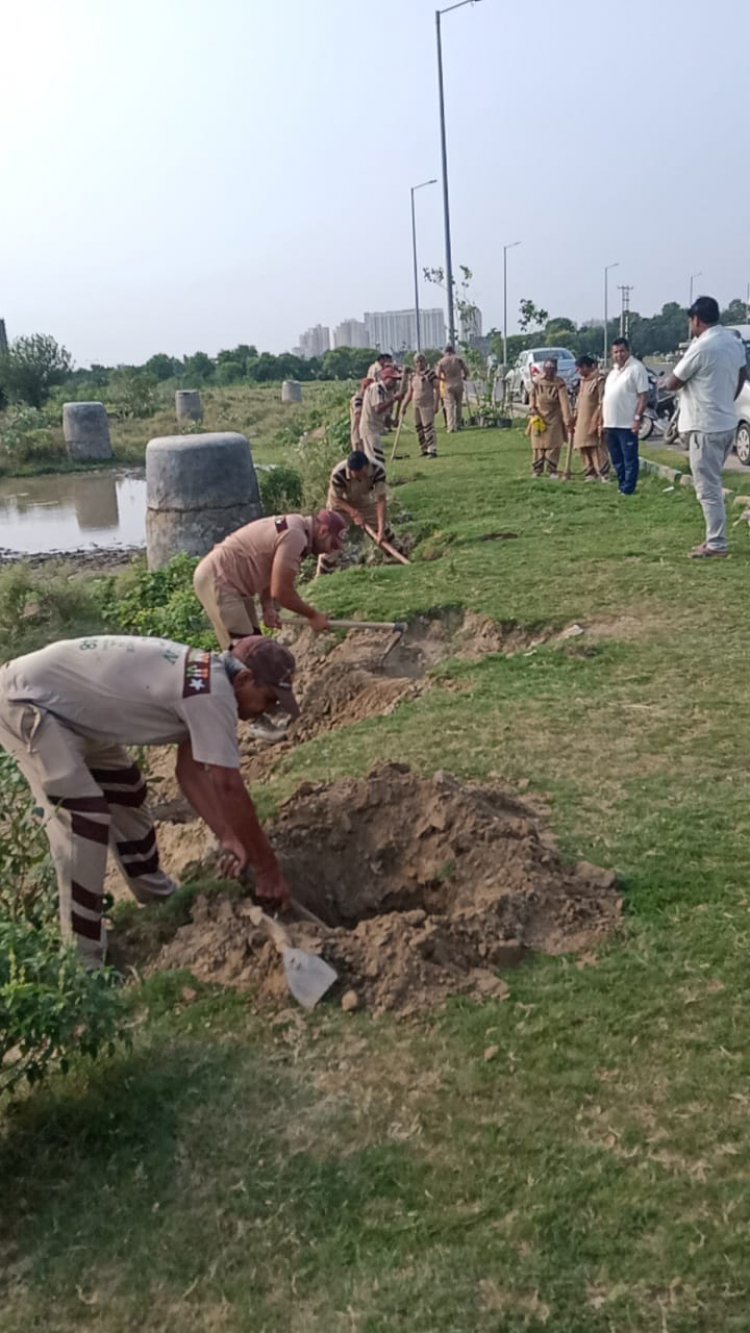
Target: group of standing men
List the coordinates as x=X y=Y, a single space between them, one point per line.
x=609 y=410
x=387 y=391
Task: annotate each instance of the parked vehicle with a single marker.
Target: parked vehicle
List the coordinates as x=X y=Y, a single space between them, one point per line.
x=529 y=367
x=742 y=439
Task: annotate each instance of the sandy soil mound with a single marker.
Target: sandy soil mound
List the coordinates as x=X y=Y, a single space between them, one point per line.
x=427 y=888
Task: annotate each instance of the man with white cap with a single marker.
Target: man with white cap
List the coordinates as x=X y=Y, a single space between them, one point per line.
x=263 y=560
x=68 y=711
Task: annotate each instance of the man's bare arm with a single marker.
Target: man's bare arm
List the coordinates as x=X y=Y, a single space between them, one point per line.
x=284 y=592
x=741 y=380
x=672 y=384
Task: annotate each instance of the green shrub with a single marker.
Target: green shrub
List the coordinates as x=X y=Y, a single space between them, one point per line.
x=50 y=1007
x=318 y=454
x=280 y=490
x=37 y=606
x=161 y=604
x=131 y=394
x=28 y=436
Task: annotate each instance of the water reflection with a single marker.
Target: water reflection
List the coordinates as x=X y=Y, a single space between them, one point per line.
x=72 y=511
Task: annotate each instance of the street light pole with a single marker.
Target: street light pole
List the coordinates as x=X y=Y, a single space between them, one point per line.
x=506 y=248
x=693 y=276
x=414 y=188
x=606 y=304
x=444 y=161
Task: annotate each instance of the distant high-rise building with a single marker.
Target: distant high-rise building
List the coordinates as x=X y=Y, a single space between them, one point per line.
x=315 y=341
x=351 y=333
x=395 y=331
x=471 y=326
x=3 y=338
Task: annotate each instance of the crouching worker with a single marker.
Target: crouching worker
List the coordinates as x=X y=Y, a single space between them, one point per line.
x=68 y=711
x=263 y=560
x=357 y=490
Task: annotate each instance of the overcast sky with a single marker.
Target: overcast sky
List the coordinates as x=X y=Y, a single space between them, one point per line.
x=189 y=174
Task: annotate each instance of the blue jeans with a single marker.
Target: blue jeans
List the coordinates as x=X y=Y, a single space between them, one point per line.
x=623 y=450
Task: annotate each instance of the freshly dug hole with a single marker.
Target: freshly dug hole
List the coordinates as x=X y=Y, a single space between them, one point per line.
x=428 y=886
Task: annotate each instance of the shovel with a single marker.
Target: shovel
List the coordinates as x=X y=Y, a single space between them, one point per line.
x=308 y=976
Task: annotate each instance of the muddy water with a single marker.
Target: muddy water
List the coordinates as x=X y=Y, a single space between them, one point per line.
x=72 y=512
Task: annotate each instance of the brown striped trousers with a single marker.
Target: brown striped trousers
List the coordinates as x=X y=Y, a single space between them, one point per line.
x=92 y=799
x=424 y=422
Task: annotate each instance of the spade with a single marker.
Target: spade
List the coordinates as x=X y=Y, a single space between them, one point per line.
x=308 y=976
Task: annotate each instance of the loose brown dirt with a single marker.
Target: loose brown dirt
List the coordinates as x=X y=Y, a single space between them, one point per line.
x=427 y=888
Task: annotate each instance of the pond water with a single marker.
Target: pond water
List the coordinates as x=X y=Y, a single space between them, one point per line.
x=72 y=511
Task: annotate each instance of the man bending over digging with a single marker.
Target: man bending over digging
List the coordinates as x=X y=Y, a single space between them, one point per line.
x=68 y=711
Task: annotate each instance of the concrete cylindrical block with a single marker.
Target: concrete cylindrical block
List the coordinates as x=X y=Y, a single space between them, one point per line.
x=291 y=391
x=199 y=488
x=188 y=405
x=86 y=431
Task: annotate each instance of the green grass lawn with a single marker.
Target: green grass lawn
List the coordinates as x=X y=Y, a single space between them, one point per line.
x=335 y=1173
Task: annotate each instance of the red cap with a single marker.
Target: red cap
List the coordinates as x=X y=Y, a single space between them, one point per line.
x=271 y=665
x=334 y=522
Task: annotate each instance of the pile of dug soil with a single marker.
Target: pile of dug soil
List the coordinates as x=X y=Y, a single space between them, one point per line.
x=427 y=887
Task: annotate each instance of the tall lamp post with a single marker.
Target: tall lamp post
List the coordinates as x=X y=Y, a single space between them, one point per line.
x=606 y=304
x=444 y=157
x=693 y=276
x=506 y=248
x=414 y=188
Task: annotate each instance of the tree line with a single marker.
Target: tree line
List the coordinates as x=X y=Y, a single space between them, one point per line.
x=33 y=366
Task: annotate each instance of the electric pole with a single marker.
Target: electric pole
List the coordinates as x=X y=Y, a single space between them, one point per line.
x=625 y=291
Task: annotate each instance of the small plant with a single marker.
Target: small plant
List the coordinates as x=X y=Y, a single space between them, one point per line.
x=50 y=1007
x=161 y=604
x=280 y=490
x=27 y=436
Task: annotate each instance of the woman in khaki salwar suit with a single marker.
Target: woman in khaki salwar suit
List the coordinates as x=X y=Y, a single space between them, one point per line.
x=548 y=403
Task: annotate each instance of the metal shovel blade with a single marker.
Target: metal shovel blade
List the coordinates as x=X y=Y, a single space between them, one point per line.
x=308 y=976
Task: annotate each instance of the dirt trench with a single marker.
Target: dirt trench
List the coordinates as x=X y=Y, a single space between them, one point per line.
x=428 y=887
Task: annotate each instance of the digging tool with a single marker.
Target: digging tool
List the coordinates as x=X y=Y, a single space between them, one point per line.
x=305 y=914
x=395 y=626
x=386 y=546
x=567 y=474
x=308 y=976
x=401 y=419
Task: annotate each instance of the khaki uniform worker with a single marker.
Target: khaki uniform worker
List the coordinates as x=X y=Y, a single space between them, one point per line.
x=377 y=401
x=549 y=401
x=263 y=560
x=357 y=490
x=425 y=394
x=451 y=369
x=378 y=366
x=587 y=421
x=66 y=714
x=355 y=414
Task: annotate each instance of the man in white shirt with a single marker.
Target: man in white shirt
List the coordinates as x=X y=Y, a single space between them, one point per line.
x=625 y=395
x=709 y=378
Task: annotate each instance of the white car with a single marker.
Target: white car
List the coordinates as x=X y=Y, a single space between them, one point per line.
x=530 y=365
x=742 y=441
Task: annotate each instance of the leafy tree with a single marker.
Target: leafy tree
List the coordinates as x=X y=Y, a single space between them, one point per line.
x=735 y=313
x=32 y=366
x=198 y=368
x=229 y=372
x=531 y=315
x=162 y=367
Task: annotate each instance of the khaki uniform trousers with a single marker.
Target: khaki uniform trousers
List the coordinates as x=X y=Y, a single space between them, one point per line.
x=424 y=421
x=92 y=799
x=372 y=445
x=232 y=615
x=454 y=397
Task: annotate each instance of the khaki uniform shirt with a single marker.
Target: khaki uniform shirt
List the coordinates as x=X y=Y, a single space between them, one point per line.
x=589 y=411
x=424 y=384
x=372 y=422
x=452 y=369
x=244 y=560
x=375 y=371
x=132 y=691
x=356 y=488
x=549 y=400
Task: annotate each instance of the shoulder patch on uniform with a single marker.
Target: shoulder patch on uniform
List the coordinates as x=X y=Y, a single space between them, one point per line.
x=197 y=678
x=281 y=524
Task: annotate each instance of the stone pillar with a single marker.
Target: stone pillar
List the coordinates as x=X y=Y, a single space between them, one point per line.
x=291 y=391
x=199 y=488
x=188 y=405
x=86 y=431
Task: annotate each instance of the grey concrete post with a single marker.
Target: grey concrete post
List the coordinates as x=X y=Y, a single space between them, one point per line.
x=199 y=488
x=86 y=431
x=188 y=405
x=291 y=391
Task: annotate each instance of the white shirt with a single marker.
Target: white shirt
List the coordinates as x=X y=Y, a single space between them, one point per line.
x=621 y=392
x=710 y=369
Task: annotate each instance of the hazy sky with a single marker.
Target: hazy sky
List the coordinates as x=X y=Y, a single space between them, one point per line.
x=189 y=174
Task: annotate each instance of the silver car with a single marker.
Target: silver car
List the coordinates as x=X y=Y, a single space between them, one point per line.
x=529 y=367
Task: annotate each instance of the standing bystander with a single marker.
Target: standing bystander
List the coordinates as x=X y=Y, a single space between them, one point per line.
x=625 y=395
x=452 y=372
x=709 y=378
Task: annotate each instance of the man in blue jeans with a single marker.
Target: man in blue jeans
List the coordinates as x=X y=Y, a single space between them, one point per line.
x=625 y=395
